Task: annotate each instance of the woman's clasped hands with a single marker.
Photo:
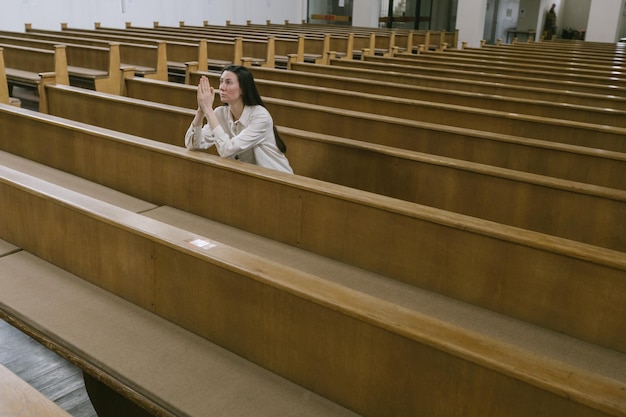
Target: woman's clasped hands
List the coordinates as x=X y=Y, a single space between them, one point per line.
x=206 y=95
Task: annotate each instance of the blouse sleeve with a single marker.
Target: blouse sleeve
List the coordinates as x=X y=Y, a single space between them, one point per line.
x=199 y=137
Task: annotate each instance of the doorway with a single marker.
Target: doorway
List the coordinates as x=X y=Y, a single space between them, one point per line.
x=330 y=12
x=500 y=17
x=406 y=14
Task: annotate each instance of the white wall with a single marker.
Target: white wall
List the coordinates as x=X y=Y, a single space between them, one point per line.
x=471 y=21
x=46 y=14
x=605 y=19
x=365 y=13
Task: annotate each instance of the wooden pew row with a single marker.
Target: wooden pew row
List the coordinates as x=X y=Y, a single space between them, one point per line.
x=178 y=53
x=408 y=39
x=518 y=64
x=149 y=61
x=346 y=44
x=412 y=75
x=94 y=67
x=483 y=72
x=212 y=377
x=454 y=91
x=504 y=186
x=282 y=306
x=584 y=47
x=31 y=68
x=18 y=399
x=260 y=50
x=543 y=56
x=363 y=127
x=563 y=48
x=268 y=79
x=344 y=224
x=267 y=51
x=591 y=112
x=309 y=47
x=217 y=53
x=517 y=124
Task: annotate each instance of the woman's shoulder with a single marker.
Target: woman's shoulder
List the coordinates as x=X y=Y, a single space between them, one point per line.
x=256 y=112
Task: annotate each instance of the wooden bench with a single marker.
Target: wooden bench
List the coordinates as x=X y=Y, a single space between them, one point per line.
x=5 y=98
x=605 y=76
x=517 y=62
x=278 y=329
x=539 y=157
x=524 y=56
x=581 y=84
x=588 y=112
x=150 y=157
x=221 y=51
x=130 y=116
x=18 y=399
x=149 y=61
x=495 y=86
x=513 y=123
x=33 y=68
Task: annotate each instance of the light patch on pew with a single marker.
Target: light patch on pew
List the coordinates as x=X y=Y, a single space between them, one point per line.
x=201 y=243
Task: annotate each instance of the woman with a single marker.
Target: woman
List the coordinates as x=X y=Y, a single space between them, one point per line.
x=242 y=129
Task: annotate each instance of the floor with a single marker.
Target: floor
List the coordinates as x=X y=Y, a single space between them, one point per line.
x=46 y=371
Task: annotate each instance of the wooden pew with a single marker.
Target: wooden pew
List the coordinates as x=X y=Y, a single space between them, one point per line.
x=33 y=68
x=283 y=47
x=526 y=55
x=282 y=314
x=221 y=51
x=346 y=44
x=604 y=76
x=539 y=157
x=383 y=73
x=178 y=53
x=518 y=62
x=216 y=54
x=149 y=61
x=18 y=399
x=581 y=84
x=559 y=110
x=363 y=129
x=5 y=98
x=529 y=192
x=512 y=123
x=203 y=364
x=344 y=224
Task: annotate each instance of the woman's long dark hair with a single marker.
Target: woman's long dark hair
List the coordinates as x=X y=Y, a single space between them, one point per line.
x=251 y=96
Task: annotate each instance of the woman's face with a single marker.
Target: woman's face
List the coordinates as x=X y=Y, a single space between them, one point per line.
x=230 y=91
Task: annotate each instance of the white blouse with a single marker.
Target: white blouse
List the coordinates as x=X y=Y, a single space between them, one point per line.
x=250 y=139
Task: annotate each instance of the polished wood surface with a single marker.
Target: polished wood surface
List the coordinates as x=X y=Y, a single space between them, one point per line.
x=562 y=196
x=274 y=303
x=345 y=224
